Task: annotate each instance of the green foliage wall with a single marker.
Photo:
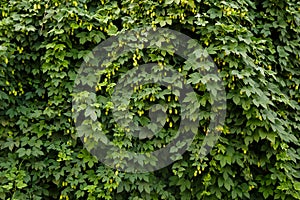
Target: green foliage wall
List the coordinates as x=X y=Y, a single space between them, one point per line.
x=255 y=44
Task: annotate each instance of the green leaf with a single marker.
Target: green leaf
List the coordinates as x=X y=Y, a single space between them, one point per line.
x=21 y=184
x=112 y=30
x=169 y=2
x=22 y=151
x=297 y=186
x=236 y=99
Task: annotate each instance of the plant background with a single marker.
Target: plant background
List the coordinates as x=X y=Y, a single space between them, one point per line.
x=255 y=44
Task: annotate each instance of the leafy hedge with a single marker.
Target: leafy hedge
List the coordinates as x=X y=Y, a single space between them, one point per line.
x=256 y=46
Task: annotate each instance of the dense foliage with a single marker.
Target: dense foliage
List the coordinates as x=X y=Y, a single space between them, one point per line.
x=256 y=46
